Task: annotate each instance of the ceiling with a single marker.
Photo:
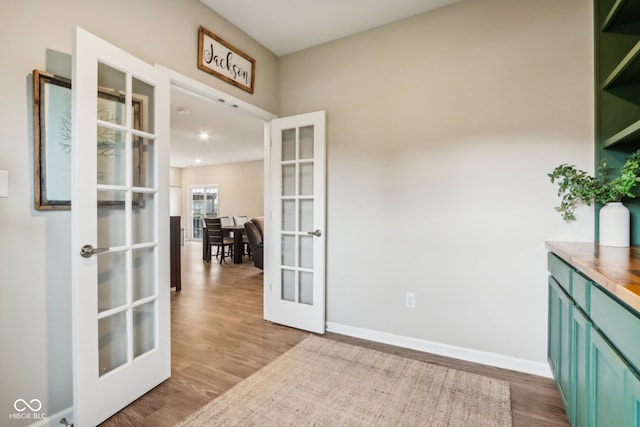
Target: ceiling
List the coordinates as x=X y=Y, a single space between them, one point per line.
x=286 y=26
x=235 y=136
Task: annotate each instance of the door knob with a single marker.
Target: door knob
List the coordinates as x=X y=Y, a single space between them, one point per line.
x=87 y=251
x=316 y=233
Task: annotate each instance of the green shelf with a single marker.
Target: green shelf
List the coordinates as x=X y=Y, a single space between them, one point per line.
x=617 y=88
x=630 y=133
x=623 y=13
x=627 y=71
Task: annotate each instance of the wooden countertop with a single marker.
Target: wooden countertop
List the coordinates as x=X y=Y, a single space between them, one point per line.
x=615 y=269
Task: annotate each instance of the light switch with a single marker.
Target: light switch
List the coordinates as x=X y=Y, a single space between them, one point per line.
x=4 y=183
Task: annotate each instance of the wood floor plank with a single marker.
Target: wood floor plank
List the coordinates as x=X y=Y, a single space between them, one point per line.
x=219 y=338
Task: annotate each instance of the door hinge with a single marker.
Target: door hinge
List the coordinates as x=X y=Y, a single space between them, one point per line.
x=269 y=287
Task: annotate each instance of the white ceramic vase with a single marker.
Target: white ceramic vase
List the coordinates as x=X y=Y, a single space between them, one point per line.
x=615 y=225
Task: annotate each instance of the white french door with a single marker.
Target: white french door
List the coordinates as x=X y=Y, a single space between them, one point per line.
x=120 y=224
x=295 y=265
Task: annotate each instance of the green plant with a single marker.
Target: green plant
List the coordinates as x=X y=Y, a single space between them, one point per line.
x=577 y=185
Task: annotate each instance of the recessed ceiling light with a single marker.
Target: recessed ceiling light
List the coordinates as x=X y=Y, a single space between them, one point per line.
x=197 y=161
x=204 y=135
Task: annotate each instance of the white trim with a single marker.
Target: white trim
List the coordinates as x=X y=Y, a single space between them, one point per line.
x=469 y=355
x=194 y=86
x=266 y=276
x=54 y=420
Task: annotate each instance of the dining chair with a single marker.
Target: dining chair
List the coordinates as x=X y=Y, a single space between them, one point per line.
x=240 y=221
x=226 y=222
x=217 y=238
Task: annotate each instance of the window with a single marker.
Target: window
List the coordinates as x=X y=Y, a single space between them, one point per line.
x=204 y=204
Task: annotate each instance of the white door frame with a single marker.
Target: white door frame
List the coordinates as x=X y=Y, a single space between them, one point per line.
x=194 y=86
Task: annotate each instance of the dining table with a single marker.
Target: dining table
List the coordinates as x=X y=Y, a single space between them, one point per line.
x=238 y=243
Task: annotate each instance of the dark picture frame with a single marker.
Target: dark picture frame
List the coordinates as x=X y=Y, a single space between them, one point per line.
x=52 y=139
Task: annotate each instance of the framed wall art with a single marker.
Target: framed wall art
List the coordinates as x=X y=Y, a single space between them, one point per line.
x=52 y=140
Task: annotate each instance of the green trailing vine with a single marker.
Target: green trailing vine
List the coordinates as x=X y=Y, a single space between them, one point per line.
x=577 y=185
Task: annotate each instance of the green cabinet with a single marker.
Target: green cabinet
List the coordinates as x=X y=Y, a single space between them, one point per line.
x=617 y=87
x=606 y=381
x=559 y=349
x=593 y=350
x=632 y=401
x=578 y=411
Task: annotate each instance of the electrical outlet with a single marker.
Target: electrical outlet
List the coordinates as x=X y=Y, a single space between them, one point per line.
x=410 y=299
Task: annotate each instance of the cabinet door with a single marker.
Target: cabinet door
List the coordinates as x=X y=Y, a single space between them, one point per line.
x=553 y=327
x=606 y=378
x=560 y=306
x=580 y=331
x=632 y=400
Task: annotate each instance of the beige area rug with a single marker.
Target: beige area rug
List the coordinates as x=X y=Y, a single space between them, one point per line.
x=321 y=382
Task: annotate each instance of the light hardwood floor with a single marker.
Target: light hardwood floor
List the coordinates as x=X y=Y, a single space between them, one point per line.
x=220 y=338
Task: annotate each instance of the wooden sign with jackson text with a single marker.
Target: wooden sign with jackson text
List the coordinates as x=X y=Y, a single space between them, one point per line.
x=217 y=57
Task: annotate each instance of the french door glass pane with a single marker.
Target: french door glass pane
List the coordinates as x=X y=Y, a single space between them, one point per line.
x=111 y=156
x=306 y=215
x=112 y=280
x=288 y=250
x=306 y=287
x=288 y=285
x=143 y=164
x=141 y=99
x=112 y=342
x=288 y=144
x=143 y=221
x=306 y=143
x=306 y=251
x=144 y=328
x=111 y=219
x=288 y=215
x=112 y=85
x=144 y=278
x=306 y=179
x=288 y=180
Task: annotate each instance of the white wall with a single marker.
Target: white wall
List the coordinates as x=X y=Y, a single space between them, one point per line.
x=35 y=289
x=465 y=109
x=240 y=188
x=175 y=192
x=441 y=130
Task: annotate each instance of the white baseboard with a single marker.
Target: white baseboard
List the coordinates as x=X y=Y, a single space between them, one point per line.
x=54 y=420
x=469 y=355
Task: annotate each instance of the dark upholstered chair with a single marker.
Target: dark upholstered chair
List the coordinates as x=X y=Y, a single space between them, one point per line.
x=259 y=222
x=255 y=243
x=216 y=238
